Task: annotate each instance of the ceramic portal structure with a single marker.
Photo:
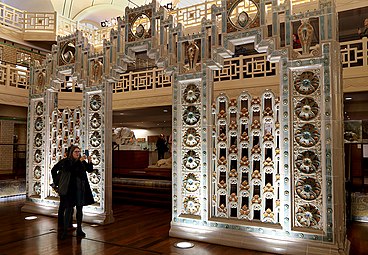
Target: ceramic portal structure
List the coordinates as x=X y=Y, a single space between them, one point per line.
x=259 y=171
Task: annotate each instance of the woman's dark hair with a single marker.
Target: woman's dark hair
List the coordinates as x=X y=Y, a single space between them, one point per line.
x=71 y=150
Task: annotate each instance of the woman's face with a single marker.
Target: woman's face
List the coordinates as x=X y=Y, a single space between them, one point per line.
x=76 y=153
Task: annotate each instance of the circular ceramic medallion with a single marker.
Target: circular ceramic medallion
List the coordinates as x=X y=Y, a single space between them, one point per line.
x=307 y=162
x=306 y=109
x=68 y=53
x=37 y=188
x=96 y=120
x=95 y=178
x=191 y=115
x=37 y=172
x=141 y=25
x=191 y=182
x=191 y=137
x=38 y=156
x=306 y=83
x=191 y=204
x=39 y=108
x=308 y=216
x=308 y=188
x=38 y=140
x=95 y=102
x=139 y=30
x=95 y=139
x=237 y=15
x=38 y=124
x=307 y=135
x=243 y=19
x=191 y=160
x=96 y=157
x=191 y=93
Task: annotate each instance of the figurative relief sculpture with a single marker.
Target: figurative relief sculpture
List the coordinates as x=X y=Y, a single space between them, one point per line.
x=124 y=136
x=305 y=33
x=192 y=56
x=96 y=71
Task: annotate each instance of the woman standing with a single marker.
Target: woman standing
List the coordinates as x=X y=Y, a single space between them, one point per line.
x=74 y=189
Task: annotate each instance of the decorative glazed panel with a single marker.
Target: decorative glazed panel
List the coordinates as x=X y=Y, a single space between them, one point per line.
x=36 y=143
x=308 y=181
x=65 y=130
x=191 y=152
x=94 y=141
x=246 y=158
x=242 y=14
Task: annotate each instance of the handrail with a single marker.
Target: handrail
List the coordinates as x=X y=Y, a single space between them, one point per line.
x=43 y=22
x=354 y=54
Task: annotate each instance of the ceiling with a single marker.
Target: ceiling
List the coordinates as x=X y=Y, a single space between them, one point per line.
x=90 y=11
x=143 y=118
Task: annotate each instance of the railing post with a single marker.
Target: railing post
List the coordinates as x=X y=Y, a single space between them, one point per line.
x=56 y=21
x=7 y=79
x=241 y=58
x=364 y=48
x=154 y=78
x=130 y=81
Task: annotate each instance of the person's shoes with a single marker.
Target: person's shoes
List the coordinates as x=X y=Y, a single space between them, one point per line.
x=80 y=233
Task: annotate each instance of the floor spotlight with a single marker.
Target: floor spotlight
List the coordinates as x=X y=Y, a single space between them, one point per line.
x=184 y=245
x=30 y=218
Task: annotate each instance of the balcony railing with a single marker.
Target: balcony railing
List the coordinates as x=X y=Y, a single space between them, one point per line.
x=13 y=76
x=54 y=24
x=354 y=55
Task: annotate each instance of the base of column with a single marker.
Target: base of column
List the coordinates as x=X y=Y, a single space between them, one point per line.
x=254 y=241
x=101 y=218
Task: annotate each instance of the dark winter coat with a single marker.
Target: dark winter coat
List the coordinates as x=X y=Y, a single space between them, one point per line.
x=71 y=180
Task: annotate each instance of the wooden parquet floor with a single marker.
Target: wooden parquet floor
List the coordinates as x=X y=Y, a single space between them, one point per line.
x=137 y=230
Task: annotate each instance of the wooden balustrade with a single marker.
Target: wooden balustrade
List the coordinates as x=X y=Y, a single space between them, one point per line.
x=354 y=55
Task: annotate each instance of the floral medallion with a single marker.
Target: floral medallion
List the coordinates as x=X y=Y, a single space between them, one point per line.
x=191 y=160
x=95 y=120
x=308 y=188
x=95 y=102
x=95 y=177
x=191 y=115
x=308 y=216
x=39 y=108
x=306 y=83
x=96 y=195
x=191 y=204
x=37 y=188
x=39 y=124
x=95 y=139
x=307 y=135
x=37 y=172
x=191 y=93
x=191 y=182
x=38 y=156
x=306 y=109
x=191 y=137
x=307 y=162
x=38 y=140
x=96 y=157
